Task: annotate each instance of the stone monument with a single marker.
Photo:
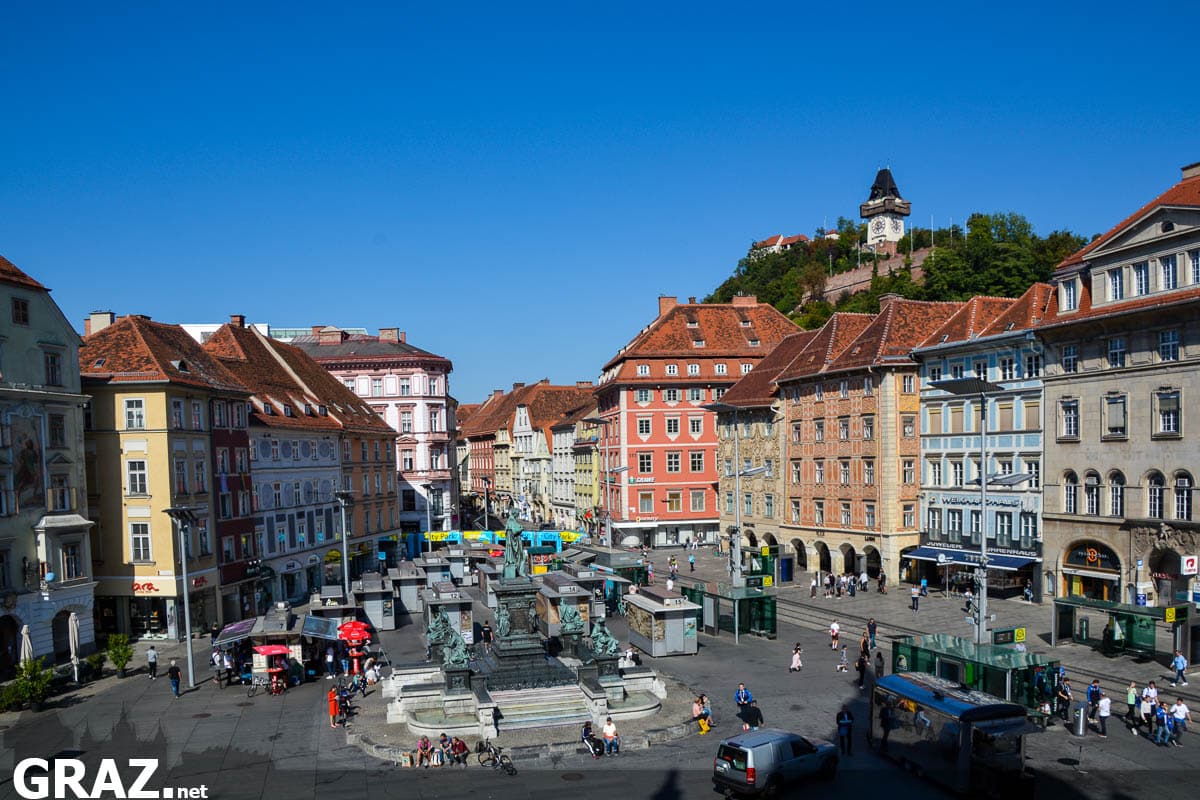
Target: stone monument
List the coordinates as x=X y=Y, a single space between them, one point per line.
x=520 y=653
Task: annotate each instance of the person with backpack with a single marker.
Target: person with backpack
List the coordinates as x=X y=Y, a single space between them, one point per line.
x=1093 y=698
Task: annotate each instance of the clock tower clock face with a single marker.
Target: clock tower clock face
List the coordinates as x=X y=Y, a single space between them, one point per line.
x=897 y=225
x=878 y=225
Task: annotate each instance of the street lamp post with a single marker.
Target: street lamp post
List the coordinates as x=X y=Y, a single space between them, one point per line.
x=184 y=518
x=979 y=388
x=487 y=507
x=428 y=487
x=345 y=499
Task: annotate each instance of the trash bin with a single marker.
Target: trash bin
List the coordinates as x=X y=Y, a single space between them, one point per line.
x=1085 y=629
x=1079 y=721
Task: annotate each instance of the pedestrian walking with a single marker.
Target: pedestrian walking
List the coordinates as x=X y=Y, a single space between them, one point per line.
x=797 y=664
x=916 y=598
x=752 y=717
x=1028 y=592
x=864 y=645
x=485 y=633
x=843 y=663
x=1064 y=699
x=217 y=661
x=812 y=588
x=692 y=562
x=1149 y=703
x=1179 y=664
x=845 y=731
x=227 y=662
x=1093 y=698
x=1182 y=716
x=1132 y=701
x=834 y=631
x=882 y=583
x=174 y=675
x=879 y=664
x=1163 y=720
x=871 y=628
x=152 y=662
x=329 y=668
x=863 y=581
x=1104 y=711
x=742 y=698
x=861 y=667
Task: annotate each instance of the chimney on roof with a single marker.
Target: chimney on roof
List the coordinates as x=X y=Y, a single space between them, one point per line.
x=497 y=393
x=691 y=301
x=518 y=386
x=666 y=303
x=584 y=385
x=886 y=300
x=316 y=330
x=97 y=321
x=389 y=334
x=403 y=337
x=237 y=320
x=1191 y=170
x=745 y=300
x=332 y=336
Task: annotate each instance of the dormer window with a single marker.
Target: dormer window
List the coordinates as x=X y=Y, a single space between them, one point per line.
x=1069 y=295
x=643 y=370
x=323 y=411
x=693 y=323
x=754 y=342
x=698 y=343
x=268 y=409
x=745 y=323
x=287 y=411
x=308 y=410
x=98 y=363
x=672 y=369
x=180 y=365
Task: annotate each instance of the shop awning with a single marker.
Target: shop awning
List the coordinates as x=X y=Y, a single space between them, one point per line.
x=235 y=632
x=968 y=558
x=320 y=628
x=1091 y=573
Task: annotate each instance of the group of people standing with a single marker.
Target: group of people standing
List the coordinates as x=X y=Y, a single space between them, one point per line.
x=865 y=645
x=849 y=584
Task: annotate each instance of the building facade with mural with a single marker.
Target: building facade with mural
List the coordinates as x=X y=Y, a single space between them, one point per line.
x=46 y=571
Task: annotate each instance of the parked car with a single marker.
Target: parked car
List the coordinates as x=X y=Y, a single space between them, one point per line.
x=763 y=762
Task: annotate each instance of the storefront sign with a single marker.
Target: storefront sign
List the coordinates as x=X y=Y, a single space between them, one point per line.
x=1189 y=565
x=198 y=582
x=144 y=588
x=333 y=557
x=973 y=500
x=641 y=480
x=291 y=566
x=1093 y=556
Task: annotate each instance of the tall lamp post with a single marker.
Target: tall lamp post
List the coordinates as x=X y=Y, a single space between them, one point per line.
x=428 y=487
x=977 y=387
x=184 y=517
x=345 y=499
x=487 y=506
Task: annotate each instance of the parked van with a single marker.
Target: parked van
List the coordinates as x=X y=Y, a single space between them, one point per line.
x=763 y=761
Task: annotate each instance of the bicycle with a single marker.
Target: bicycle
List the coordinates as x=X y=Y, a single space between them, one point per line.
x=490 y=756
x=257 y=681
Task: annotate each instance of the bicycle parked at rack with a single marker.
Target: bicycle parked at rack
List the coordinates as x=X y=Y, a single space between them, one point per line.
x=257 y=681
x=490 y=756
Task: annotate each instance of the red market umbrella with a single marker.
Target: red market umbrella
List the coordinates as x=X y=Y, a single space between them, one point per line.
x=354 y=631
x=273 y=650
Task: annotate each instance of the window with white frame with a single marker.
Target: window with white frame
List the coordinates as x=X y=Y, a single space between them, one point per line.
x=1033 y=365
x=910 y=516
x=1091 y=494
x=697 y=499
x=674 y=461
x=696 y=425
x=868 y=471
x=818 y=472
x=934 y=373
x=868 y=386
x=672 y=369
x=908 y=384
x=1008 y=369
x=719 y=369
x=1168 y=272
x=695 y=395
x=1167 y=412
x=693 y=369
x=181 y=481
x=954 y=525
x=819 y=430
x=672 y=426
x=933 y=520
x=819 y=512
x=645 y=463
x=674 y=502
x=1194 y=260
x=696 y=460
x=769 y=506
x=1070 y=493
x=934 y=471
x=135 y=414
x=956 y=473
x=844 y=388
x=1004 y=528
x=910 y=471
x=845 y=517
x=643 y=426
x=641 y=396
x=868 y=427
x=1116 y=284
x=1033 y=468
x=746 y=368
x=1183 y=496
x=1155 y=489
x=1068 y=415
x=819 y=391
x=844 y=472
x=843 y=428
x=1141 y=279
x=1115 y=417
x=1168 y=345
x=177 y=415
x=1116 y=352
x=908 y=426
x=645 y=502
x=1116 y=494
x=670 y=395
x=139 y=541
x=1069 y=295
x=796 y=471
x=795 y=510
x=197 y=416
x=135 y=472
x=406 y=422
x=405 y=387
x=1070 y=358
x=956 y=371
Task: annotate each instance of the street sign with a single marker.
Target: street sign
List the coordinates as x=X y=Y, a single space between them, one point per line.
x=1141 y=600
x=1189 y=565
x=1019 y=635
x=1168 y=614
x=768 y=580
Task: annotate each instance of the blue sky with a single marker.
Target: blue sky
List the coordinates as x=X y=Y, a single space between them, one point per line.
x=514 y=186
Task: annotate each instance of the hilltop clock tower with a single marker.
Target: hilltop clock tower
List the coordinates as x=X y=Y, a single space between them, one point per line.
x=884 y=213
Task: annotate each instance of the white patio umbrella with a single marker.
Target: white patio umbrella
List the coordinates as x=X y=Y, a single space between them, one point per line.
x=73 y=637
x=26 y=645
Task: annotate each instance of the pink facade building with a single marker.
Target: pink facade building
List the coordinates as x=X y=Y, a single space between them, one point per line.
x=410 y=388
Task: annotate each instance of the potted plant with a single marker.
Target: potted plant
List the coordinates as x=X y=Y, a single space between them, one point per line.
x=95 y=664
x=120 y=652
x=33 y=683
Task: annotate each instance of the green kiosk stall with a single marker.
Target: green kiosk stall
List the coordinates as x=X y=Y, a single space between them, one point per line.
x=1002 y=670
x=739 y=610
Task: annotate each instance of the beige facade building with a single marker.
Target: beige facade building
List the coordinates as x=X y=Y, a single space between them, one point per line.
x=1122 y=385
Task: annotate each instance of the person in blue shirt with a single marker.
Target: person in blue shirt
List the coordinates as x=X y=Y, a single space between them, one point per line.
x=1093 y=698
x=1179 y=664
x=845 y=731
x=742 y=697
x=1165 y=725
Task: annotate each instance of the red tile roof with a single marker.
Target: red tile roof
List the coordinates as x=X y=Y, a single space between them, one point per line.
x=1184 y=193
x=1028 y=311
x=719 y=325
x=9 y=273
x=757 y=388
x=464 y=412
x=969 y=321
x=832 y=337
x=895 y=331
x=548 y=404
x=280 y=375
x=770 y=241
x=790 y=240
x=491 y=415
x=1086 y=311
x=135 y=349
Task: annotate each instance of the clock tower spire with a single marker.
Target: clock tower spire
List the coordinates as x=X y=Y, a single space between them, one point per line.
x=884 y=213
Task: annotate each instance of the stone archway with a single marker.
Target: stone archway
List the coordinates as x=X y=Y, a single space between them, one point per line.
x=1170 y=586
x=769 y=538
x=824 y=561
x=59 y=630
x=874 y=561
x=752 y=538
x=801 y=555
x=849 y=561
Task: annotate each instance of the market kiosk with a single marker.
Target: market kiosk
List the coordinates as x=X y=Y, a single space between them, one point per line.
x=455 y=603
x=408 y=580
x=557 y=590
x=437 y=570
x=376 y=595
x=608 y=589
x=662 y=622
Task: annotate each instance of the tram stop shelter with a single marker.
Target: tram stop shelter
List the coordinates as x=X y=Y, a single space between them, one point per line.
x=734 y=609
x=662 y=622
x=1118 y=628
x=1001 y=670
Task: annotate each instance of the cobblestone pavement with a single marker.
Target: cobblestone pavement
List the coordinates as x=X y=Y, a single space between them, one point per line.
x=283 y=747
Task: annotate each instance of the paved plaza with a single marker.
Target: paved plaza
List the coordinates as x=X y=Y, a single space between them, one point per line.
x=242 y=747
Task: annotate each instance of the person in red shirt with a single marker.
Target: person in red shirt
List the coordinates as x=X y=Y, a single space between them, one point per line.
x=333 y=708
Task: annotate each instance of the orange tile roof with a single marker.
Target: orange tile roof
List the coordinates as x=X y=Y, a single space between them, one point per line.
x=1184 y=193
x=1086 y=311
x=831 y=338
x=9 y=273
x=718 y=325
x=491 y=415
x=757 y=387
x=895 y=331
x=969 y=321
x=135 y=349
x=464 y=412
x=547 y=404
x=787 y=240
x=1029 y=310
x=770 y=241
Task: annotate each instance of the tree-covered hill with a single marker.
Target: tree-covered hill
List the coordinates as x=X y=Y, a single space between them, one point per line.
x=998 y=254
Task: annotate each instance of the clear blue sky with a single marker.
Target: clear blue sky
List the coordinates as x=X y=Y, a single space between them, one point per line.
x=515 y=186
